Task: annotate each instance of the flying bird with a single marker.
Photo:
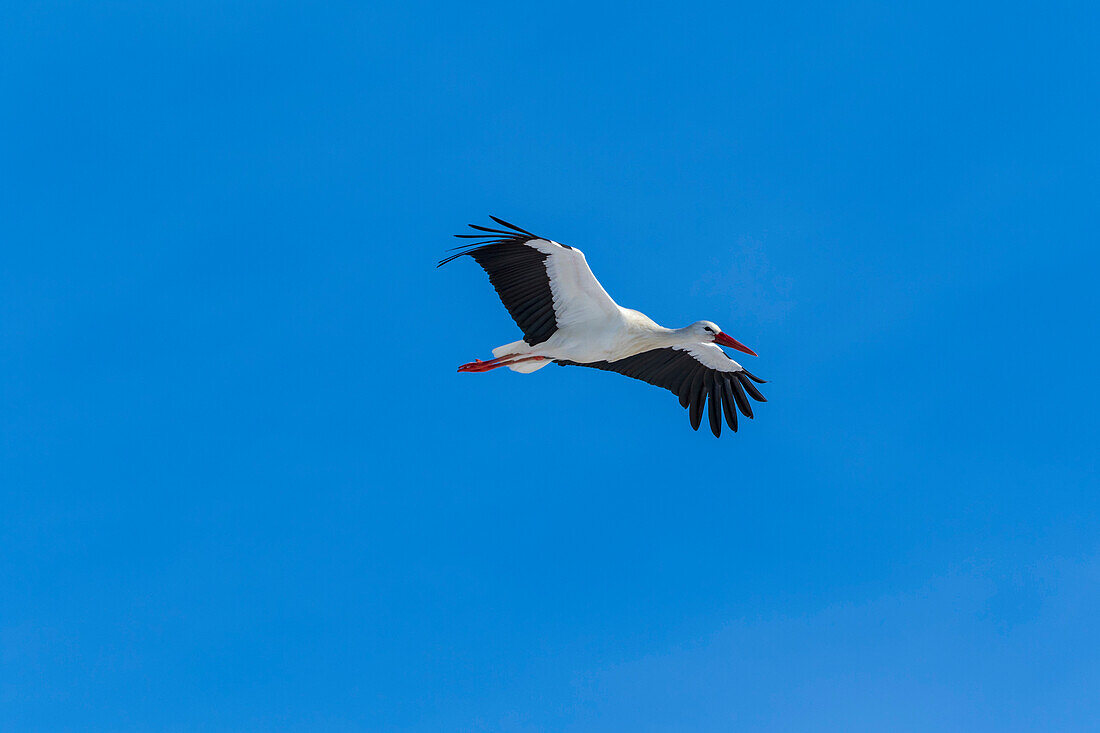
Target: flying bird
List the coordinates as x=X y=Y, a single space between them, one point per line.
x=567 y=317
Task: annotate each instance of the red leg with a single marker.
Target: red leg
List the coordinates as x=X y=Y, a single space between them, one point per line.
x=483 y=366
x=477 y=365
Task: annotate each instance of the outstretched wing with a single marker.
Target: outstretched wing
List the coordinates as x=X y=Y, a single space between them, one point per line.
x=693 y=373
x=543 y=284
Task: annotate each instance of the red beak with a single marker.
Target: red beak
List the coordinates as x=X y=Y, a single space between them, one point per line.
x=733 y=343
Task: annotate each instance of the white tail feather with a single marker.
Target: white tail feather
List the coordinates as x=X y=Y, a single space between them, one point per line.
x=516 y=347
x=522 y=349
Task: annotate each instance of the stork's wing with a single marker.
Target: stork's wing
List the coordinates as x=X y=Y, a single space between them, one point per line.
x=693 y=373
x=544 y=285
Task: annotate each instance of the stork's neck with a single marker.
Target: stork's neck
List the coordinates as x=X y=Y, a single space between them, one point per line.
x=642 y=333
x=684 y=336
x=661 y=337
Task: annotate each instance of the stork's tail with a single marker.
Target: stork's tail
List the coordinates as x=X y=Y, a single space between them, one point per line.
x=520 y=347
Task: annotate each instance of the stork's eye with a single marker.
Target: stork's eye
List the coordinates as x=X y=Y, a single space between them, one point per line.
x=708 y=329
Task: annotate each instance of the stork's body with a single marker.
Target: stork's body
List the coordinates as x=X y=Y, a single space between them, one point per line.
x=568 y=318
x=622 y=334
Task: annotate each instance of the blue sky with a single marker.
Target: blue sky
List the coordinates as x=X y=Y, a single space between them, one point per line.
x=243 y=487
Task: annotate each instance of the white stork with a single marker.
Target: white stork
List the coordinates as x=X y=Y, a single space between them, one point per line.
x=567 y=317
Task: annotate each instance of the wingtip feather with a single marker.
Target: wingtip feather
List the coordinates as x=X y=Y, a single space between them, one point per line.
x=512 y=226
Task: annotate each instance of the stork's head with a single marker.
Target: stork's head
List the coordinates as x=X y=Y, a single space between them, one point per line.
x=709 y=332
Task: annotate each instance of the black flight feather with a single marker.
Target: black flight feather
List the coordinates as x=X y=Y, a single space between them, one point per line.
x=696 y=412
x=742 y=401
x=518 y=273
x=727 y=405
x=750 y=387
x=713 y=403
x=691 y=381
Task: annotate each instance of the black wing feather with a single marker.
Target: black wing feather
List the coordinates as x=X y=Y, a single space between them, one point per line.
x=693 y=382
x=698 y=397
x=727 y=405
x=750 y=387
x=696 y=411
x=518 y=274
x=511 y=226
x=714 y=412
x=742 y=400
x=753 y=377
